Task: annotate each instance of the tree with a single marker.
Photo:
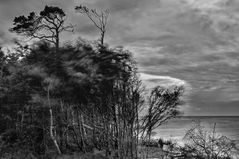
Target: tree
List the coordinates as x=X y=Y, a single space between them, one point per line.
x=208 y=145
x=2 y=62
x=99 y=19
x=51 y=82
x=163 y=105
x=46 y=26
x=79 y=98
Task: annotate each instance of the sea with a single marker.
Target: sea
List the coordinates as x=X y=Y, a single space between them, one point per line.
x=175 y=129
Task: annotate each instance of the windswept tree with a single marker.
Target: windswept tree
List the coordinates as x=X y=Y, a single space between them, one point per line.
x=163 y=105
x=99 y=19
x=44 y=26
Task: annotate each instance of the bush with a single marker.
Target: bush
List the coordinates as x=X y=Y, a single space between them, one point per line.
x=207 y=145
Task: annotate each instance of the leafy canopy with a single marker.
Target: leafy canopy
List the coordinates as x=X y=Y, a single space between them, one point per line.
x=44 y=26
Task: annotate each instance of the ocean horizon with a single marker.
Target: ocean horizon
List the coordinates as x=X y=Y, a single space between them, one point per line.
x=175 y=129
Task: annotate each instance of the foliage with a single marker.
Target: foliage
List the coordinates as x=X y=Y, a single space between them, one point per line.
x=73 y=98
x=45 y=26
x=69 y=99
x=163 y=105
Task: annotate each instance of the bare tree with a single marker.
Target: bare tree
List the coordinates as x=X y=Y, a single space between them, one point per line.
x=99 y=19
x=46 y=26
x=210 y=145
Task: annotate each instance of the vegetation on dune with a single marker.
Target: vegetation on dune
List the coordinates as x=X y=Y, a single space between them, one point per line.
x=82 y=97
x=207 y=144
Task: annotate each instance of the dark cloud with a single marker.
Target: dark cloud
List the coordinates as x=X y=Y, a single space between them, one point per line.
x=87 y=29
x=213 y=102
x=4 y=38
x=118 y=6
x=189 y=40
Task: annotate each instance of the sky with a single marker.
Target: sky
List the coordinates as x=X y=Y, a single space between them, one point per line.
x=193 y=43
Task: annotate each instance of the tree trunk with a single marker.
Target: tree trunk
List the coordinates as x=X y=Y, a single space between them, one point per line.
x=118 y=131
x=149 y=138
x=137 y=131
x=1 y=75
x=94 y=127
x=51 y=123
x=80 y=128
x=57 y=40
x=102 y=38
x=62 y=127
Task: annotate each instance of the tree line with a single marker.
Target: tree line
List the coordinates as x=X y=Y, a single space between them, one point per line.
x=77 y=97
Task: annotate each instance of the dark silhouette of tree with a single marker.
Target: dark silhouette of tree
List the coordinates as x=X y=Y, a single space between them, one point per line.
x=2 y=62
x=81 y=97
x=163 y=105
x=99 y=19
x=46 y=26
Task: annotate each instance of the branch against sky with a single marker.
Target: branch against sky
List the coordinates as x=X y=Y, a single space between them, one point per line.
x=99 y=19
x=163 y=105
x=46 y=26
x=202 y=143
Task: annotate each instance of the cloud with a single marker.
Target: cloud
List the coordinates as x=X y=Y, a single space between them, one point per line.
x=174 y=42
x=150 y=81
x=162 y=80
x=116 y=6
x=2 y=34
x=119 y=6
x=4 y=38
x=196 y=43
x=214 y=102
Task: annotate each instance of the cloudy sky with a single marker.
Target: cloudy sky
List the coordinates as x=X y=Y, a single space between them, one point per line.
x=194 y=43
